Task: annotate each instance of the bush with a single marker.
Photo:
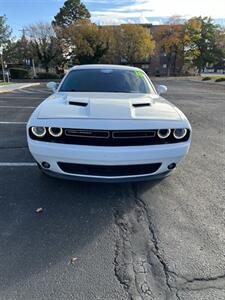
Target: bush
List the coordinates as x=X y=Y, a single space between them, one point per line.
x=220 y=79
x=43 y=75
x=19 y=74
x=206 y=78
x=157 y=73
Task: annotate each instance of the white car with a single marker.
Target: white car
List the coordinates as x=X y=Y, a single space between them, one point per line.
x=107 y=123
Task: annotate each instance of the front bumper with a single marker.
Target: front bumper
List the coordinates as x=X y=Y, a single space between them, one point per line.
x=107 y=156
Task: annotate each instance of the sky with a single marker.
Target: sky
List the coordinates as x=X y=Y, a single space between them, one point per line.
x=21 y=13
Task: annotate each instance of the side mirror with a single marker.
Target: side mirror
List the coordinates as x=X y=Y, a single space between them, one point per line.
x=52 y=86
x=161 y=89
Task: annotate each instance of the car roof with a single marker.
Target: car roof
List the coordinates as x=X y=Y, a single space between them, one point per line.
x=99 y=66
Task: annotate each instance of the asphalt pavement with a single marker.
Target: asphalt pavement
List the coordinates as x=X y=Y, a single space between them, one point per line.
x=155 y=240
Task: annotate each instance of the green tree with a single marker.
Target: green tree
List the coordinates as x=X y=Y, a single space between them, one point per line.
x=86 y=42
x=135 y=43
x=200 y=42
x=18 y=52
x=71 y=12
x=5 y=31
x=219 y=52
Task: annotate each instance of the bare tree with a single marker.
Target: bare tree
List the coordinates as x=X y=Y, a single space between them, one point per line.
x=45 y=44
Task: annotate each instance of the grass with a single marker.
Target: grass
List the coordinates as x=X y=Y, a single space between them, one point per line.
x=5 y=83
x=213 y=76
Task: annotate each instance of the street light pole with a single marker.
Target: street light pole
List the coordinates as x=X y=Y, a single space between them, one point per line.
x=34 y=69
x=3 y=69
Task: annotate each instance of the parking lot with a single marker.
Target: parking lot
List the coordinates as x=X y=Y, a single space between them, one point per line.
x=154 y=240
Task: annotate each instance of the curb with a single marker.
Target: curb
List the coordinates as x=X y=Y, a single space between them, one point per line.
x=19 y=86
x=208 y=82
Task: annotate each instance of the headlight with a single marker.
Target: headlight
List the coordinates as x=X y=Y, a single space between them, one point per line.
x=55 y=131
x=38 y=131
x=179 y=133
x=163 y=133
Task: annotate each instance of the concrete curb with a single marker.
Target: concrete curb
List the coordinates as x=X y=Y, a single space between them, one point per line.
x=208 y=82
x=17 y=86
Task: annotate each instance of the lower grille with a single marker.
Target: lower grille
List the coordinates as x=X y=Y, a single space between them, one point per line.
x=108 y=171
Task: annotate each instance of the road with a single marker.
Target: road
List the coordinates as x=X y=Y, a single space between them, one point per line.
x=158 y=240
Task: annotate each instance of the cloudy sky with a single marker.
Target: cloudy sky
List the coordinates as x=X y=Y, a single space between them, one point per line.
x=157 y=11
x=23 y=12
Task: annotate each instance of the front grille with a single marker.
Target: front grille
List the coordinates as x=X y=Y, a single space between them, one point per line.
x=108 y=171
x=94 y=137
x=84 y=133
x=133 y=134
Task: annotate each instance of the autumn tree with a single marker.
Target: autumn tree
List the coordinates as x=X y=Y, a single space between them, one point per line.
x=200 y=40
x=170 y=39
x=135 y=43
x=71 y=12
x=111 y=36
x=45 y=44
x=86 y=42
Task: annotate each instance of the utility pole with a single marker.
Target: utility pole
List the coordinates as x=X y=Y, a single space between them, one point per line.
x=34 y=69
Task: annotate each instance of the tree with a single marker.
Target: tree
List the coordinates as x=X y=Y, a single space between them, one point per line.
x=111 y=36
x=71 y=12
x=219 y=52
x=86 y=42
x=5 y=31
x=135 y=43
x=200 y=42
x=170 y=39
x=19 y=52
x=45 y=44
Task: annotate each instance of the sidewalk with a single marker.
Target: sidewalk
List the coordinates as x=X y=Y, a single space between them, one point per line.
x=16 y=86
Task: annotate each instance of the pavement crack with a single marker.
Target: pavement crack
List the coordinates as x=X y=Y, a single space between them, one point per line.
x=139 y=266
x=154 y=239
x=203 y=283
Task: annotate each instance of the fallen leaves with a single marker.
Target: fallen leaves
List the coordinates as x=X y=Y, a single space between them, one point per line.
x=39 y=210
x=73 y=259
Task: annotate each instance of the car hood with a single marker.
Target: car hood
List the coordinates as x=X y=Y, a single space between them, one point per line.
x=118 y=106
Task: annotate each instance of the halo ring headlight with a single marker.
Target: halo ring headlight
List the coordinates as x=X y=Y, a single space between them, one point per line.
x=55 y=131
x=179 y=133
x=163 y=133
x=38 y=131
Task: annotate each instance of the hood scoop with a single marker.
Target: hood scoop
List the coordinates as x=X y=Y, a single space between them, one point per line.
x=136 y=105
x=77 y=103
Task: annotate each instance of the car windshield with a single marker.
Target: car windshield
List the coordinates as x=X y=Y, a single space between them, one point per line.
x=106 y=81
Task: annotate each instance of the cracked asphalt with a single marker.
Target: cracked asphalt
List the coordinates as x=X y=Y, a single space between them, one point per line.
x=154 y=240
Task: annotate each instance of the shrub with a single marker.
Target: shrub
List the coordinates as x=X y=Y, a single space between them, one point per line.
x=220 y=79
x=157 y=73
x=19 y=74
x=206 y=78
x=43 y=75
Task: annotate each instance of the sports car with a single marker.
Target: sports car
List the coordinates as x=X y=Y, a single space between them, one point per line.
x=107 y=123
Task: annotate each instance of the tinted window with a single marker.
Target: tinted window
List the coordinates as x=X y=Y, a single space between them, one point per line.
x=106 y=81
